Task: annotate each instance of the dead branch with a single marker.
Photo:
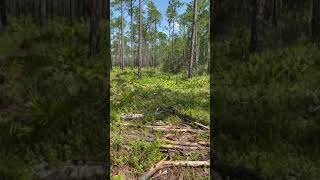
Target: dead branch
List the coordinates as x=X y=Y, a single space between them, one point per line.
x=183 y=148
x=160 y=174
x=153 y=170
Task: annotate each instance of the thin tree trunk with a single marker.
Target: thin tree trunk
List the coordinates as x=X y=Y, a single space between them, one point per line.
x=169 y=40
x=257 y=26
x=172 y=45
x=193 y=41
x=154 y=46
x=94 y=34
x=209 y=59
x=197 y=39
x=140 y=41
x=122 y=37
x=132 y=35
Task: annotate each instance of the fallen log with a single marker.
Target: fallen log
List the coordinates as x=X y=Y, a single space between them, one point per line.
x=153 y=170
x=187 y=163
x=177 y=130
x=183 y=148
x=146 y=126
x=204 y=143
x=165 y=164
x=132 y=116
x=202 y=126
x=197 y=144
x=171 y=137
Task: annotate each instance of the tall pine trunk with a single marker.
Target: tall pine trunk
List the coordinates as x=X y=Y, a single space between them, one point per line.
x=132 y=35
x=154 y=45
x=257 y=26
x=193 y=40
x=140 y=41
x=197 y=39
x=94 y=34
x=122 y=37
x=172 y=45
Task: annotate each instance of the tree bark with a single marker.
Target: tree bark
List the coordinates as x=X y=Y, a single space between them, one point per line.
x=315 y=21
x=94 y=34
x=257 y=26
x=154 y=45
x=132 y=33
x=197 y=39
x=140 y=41
x=193 y=41
x=122 y=37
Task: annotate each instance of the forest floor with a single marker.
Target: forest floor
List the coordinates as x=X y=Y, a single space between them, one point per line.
x=138 y=144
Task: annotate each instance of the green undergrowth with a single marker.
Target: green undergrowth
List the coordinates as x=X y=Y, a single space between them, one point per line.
x=154 y=90
x=52 y=97
x=267 y=111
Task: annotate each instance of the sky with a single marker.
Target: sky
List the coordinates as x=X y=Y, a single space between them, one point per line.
x=162 y=7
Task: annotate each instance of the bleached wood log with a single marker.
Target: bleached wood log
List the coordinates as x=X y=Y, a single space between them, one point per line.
x=179 y=147
x=202 y=126
x=132 y=116
x=182 y=143
x=187 y=163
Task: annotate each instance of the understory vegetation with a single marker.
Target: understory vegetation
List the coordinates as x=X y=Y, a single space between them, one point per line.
x=51 y=97
x=267 y=110
x=131 y=154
